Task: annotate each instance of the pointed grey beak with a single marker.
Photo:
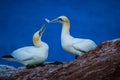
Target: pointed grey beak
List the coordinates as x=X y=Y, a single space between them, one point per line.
x=56 y=20
x=42 y=29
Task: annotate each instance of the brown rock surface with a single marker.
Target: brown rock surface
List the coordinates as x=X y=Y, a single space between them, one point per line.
x=99 y=64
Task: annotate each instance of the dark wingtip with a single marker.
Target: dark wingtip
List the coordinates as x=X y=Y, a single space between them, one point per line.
x=7 y=56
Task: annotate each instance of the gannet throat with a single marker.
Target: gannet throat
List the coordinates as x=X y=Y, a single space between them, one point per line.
x=37 y=36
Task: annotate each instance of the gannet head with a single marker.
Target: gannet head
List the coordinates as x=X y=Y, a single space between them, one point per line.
x=37 y=36
x=61 y=19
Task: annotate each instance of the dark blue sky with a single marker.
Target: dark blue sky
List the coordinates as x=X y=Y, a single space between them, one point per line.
x=98 y=20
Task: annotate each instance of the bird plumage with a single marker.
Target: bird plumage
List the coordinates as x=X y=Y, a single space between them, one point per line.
x=70 y=44
x=31 y=55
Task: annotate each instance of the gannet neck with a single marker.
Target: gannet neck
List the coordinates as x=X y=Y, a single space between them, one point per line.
x=37 y=39
x=65 y=28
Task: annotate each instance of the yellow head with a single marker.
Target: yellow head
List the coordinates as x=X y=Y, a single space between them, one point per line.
x=61 y=19
x=37 y=36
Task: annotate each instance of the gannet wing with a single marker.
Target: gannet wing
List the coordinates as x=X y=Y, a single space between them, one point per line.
x=15 y=59
x=20 y=57
x=8 y=57
x=23 y=54
x=84 y=45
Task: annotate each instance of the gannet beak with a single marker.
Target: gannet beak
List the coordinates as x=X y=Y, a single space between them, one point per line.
x=56 y=20
x=60 y=20
x=42 y=29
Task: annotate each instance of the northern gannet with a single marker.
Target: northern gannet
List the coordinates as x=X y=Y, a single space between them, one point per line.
x=70 y=44
x=31 y=55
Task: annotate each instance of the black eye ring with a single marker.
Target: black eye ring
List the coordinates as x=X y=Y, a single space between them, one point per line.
x=60 y=19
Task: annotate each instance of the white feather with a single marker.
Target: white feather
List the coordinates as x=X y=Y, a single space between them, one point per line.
x=31 y=55
x=84 y=44
x=47 y=20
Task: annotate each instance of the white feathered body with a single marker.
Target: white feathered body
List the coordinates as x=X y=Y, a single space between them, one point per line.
x=31 y=54
x=77 y=46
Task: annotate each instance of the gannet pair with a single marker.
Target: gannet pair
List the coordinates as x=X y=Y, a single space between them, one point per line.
x=31 y=55
x=70 y=44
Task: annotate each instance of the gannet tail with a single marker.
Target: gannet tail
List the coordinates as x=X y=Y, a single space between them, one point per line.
x=8 y=57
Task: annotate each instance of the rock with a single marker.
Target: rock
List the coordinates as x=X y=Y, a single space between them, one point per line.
x=6 y=71
x=103 y=63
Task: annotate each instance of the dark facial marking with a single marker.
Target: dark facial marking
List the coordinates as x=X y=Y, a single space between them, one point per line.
x=60 y=19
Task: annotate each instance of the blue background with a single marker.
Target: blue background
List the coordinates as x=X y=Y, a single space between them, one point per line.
x=98 y=20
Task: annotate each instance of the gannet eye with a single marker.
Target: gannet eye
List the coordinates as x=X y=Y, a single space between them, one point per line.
x=60 y=19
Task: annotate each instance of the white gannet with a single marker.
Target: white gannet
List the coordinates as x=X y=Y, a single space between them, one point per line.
x=70 y=44
x=31 y=55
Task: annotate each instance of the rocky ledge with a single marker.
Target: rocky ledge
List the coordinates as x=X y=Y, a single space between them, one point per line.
x=103 y=63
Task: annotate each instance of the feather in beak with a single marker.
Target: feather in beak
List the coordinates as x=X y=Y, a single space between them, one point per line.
x=54 y=20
